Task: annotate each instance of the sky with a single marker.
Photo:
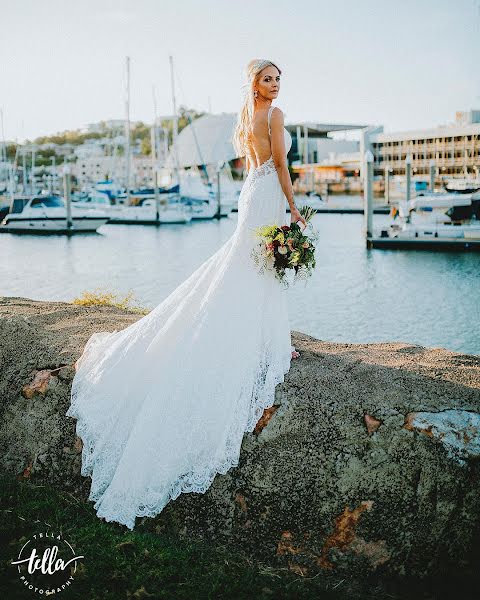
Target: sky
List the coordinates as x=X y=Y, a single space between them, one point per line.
x=404 y=65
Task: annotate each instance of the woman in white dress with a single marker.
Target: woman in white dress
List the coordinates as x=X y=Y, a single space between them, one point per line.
x=162 y=405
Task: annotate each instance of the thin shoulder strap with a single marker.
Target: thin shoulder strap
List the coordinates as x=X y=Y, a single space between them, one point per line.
x=269 y=115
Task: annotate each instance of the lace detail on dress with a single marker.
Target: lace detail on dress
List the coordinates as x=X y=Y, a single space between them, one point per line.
x=123 y=507
x=264 y=169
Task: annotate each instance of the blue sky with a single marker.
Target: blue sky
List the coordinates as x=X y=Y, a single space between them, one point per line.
x=405 y=65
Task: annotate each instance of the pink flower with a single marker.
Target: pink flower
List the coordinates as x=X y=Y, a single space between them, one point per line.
x=305 y=245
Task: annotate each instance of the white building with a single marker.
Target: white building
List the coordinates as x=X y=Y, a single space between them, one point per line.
x=454 y=148
x=91 y=169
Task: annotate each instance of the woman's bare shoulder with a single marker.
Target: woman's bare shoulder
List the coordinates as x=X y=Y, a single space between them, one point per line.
x=277 y=115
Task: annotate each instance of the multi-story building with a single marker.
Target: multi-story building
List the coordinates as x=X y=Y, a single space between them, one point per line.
x=453 y=148
x=99 y=168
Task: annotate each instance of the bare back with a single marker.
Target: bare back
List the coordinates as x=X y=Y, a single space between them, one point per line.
x=260 y=149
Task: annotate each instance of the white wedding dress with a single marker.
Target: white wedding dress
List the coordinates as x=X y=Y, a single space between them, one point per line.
x=162 y=405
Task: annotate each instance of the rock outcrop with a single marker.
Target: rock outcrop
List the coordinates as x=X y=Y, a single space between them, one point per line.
x=367 y=462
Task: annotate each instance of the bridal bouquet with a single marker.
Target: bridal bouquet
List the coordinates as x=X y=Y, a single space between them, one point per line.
x=287 y=248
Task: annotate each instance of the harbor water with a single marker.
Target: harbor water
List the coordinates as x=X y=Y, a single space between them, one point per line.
x=355 y=295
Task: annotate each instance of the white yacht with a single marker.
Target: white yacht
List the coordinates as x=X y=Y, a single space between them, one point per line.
x=171 y=209
x=48 y=214
x=437 y=215
x=464 y=185
x=94 y=200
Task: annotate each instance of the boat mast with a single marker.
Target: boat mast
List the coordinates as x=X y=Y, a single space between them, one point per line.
x=3 y=154
x=127 y=130
x=175 y=134
x=7 y=170
x=13 y=172
x=32 y=173
x=24 y=161
x=153 y=131
x=175 y=122
x=24 y=165
x=154 y=156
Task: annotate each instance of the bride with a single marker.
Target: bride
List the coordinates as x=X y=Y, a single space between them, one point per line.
x=162 y=405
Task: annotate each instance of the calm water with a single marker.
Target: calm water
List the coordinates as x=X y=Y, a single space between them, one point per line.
x=355 y=295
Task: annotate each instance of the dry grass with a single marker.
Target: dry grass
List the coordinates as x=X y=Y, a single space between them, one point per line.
x=100 y=297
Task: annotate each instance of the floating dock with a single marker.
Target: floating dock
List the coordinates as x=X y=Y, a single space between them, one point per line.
x=422 y=244
x=63 y=231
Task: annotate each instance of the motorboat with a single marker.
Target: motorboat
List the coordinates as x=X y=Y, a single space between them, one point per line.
x=94 y=200
x=452 y=206
x=170 y=210
x=427 y=231
x=143 y=210
x=466 y=185
x=48 y=214
x=436 y=215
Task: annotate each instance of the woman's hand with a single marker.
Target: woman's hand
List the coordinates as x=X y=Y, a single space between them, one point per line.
x=296 y=216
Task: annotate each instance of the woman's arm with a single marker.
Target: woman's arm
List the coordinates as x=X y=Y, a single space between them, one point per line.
x=279 y=154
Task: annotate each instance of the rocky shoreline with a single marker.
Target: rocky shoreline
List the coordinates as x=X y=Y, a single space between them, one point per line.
x=368 y=462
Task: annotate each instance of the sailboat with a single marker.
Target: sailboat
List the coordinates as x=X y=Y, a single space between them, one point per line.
x=159 y=207
x=200 y=182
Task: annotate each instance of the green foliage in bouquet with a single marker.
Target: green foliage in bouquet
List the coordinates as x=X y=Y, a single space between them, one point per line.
x=286 y=248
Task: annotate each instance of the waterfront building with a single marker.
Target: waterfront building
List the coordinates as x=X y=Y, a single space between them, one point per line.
x=454 y=148
x=91 y=169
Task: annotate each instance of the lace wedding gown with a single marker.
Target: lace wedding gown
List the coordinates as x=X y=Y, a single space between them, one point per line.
x=162 y=405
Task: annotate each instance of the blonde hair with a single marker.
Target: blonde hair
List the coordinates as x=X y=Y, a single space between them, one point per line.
x=243 y=127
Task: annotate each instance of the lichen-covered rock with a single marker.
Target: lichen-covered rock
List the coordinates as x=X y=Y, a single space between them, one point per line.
x=457 y=430
x=368 y=462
